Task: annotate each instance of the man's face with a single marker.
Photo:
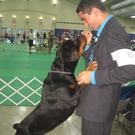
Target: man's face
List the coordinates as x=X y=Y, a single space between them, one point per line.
x=89 y=20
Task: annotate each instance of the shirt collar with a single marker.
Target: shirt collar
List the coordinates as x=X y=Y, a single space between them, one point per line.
x=103 y=24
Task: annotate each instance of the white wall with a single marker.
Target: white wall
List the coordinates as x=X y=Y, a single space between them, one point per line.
x=35 y=9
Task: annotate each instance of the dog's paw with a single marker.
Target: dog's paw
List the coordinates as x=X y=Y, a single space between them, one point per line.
x=16 y=126
x=20 y=130
x=92 y=66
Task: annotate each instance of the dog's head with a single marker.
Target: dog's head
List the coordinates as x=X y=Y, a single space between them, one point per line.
x=70 y=51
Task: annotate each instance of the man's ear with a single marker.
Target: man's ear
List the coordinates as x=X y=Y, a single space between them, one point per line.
x=95 y=11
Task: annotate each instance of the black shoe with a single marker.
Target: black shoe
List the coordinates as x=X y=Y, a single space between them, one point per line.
x=30 y=52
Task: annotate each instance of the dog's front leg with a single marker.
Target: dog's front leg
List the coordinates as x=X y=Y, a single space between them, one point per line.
x=92 y=66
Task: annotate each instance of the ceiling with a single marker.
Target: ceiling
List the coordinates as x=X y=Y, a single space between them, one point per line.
x=121 y=8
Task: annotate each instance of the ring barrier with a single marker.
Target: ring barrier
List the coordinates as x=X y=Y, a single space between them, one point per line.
x=13 y=47
x=18 y=46
x=17 y=92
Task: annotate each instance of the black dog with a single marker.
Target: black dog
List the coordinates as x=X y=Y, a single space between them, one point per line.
x=61 y=93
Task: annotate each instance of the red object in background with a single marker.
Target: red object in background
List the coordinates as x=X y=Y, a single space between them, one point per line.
x=66 y=32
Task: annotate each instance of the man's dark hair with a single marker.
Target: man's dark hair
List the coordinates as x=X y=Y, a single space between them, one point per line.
x=86 y=6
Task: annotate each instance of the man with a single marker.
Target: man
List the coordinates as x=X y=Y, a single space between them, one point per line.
x=30 y=37
x=24 y=36
x=50 y=41
x=116 y=65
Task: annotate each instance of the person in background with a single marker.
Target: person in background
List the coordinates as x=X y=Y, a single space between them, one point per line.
x=6 y=34
x=18 y=36
x=50 y=41
x=41 y=35
x=2 y=38
x=44 y=35
x=12 y=39
x=9 y=34
x=24 y=36
x=38 y=36
x=116 y=65
x=30 y=37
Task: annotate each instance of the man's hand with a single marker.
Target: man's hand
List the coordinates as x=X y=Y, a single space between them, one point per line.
x=84 y=77
x=88 y=35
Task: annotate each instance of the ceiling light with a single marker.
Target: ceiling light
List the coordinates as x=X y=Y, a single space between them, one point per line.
x=27 y=17
x=103 y=0
x=54 y=2
x=53 y=18
x=132 y=16
x=14 y=16
x=40 y=17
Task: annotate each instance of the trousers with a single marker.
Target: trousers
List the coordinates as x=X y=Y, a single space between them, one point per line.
x=94 y=128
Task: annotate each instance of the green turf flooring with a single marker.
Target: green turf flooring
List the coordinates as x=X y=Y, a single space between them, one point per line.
x=21 y=90
x=25 y=65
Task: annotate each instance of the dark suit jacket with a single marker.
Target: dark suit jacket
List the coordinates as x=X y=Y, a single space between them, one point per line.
x=99 y=102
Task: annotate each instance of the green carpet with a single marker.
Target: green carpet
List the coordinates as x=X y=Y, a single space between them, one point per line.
x=25 y=66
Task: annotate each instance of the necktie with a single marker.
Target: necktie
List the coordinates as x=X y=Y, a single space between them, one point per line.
x=94 y=40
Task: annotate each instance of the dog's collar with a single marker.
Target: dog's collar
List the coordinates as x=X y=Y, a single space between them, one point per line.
x=60 y=72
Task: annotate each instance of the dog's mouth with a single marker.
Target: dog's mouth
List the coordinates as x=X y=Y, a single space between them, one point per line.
x=80 y=43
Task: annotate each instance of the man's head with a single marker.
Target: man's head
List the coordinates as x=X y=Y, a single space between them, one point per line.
x=86 y=6
x=90 y=12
